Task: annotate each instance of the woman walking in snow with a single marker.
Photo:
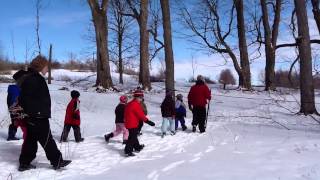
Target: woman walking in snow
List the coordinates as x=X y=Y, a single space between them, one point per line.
x=36 y=103
x=72 y=118
x=198 y=97
x=120 y=128
x=168 y=114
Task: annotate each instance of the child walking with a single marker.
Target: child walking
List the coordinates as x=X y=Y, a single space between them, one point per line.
x=16 y=112
x=168 y=114
x=120 y=128
x=180 y=113
x=72 y=118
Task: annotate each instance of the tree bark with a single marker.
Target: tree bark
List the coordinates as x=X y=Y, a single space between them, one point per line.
x=144 y=74
x=49 y=64
x=306 y=79
x=244 y=58
x=270 y=42
x=100 y=23
x=168 y=45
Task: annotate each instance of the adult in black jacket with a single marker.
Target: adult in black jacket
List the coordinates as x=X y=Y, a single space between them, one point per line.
x=36 y=102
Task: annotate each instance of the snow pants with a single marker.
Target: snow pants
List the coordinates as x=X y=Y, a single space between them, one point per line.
x=199 y=117
x=120 y=128
x=133 y=142
x=66 y=130
x=12 y=129
x=38 y=130
x=182 y=122
x=168 y=122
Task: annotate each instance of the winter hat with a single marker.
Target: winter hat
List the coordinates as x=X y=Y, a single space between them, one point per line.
x=16 y=76
x=75 y=94
x=138 y=93
x=38 y=63
x=179 y=96
x=200 y=78
x=123 y=99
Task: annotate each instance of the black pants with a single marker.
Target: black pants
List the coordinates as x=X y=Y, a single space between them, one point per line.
x=39 y=131
x=12 y=129
x=133 y=142
x=66 y=130
x=199 y=117
x=140 y=126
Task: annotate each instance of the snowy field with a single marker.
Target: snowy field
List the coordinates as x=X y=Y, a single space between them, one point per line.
x=250 y=136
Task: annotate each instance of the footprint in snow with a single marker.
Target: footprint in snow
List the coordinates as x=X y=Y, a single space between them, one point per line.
x=172 y=165
x=153 y=175
x=210 y=148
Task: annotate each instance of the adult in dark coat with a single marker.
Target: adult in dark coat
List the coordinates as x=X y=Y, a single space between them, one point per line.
x=36 y=102
x=198 y=97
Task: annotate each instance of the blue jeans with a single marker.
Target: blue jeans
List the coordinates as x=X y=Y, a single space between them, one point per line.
x=168 y=122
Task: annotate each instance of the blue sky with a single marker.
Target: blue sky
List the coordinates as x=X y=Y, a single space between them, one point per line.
x=64 y=23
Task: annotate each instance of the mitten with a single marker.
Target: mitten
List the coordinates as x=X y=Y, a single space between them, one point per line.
x=150 y=123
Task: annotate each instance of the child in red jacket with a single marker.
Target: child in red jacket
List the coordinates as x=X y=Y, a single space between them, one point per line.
x=132 y=115
x=72 y=118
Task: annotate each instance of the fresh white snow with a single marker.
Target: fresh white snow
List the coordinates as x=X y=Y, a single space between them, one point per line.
x=247 y=138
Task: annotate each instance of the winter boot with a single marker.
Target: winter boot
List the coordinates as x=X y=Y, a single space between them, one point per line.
x=61 y=164
x=194 y=128
x=140 y=148
x=162 y=135
x=124 y=141
x=80 y=140
x=108 y=136
x=184 y=127
x=172 y=133
x=130 y=154
x=24 y=167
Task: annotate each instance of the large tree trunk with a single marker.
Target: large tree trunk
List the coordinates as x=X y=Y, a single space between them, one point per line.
x=244 y=58
x=101 y=30
x=168 y=45
x=306 y=79
x=269 y=49
x=144 y=75
x=316 y=12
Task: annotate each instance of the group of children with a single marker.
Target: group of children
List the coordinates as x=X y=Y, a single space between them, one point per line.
x=173 y=113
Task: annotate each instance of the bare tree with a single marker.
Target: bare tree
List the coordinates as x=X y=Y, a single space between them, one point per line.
x=270 y=39
x=100 y=23
x=226 y=77
x=306 y=79
x=122 y=39
x=206 y=25
x=168 y=45
x=141 y=16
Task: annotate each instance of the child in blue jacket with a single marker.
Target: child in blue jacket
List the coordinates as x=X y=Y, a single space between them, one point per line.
x=180 y=112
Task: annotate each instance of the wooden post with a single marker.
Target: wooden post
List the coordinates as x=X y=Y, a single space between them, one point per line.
x=49 y=65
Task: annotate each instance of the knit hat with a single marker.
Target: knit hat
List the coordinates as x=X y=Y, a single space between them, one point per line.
x=123 y=99
x=137 y=93
x=179 y=96
x=75 y=94
x=38 y=63
x=200 y=78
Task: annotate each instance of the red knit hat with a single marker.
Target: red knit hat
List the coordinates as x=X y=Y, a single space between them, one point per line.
x=138 y=93
x=123 y=99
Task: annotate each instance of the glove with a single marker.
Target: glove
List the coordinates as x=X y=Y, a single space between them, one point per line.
x=150 y=123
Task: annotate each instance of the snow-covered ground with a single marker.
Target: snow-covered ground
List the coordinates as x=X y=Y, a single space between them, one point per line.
x=250 y=135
